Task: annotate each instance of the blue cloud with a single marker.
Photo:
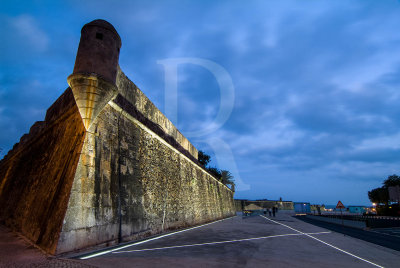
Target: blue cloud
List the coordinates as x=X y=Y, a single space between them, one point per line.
x=316 y=83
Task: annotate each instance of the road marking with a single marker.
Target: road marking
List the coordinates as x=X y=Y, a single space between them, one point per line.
x=332 y=246
x=145 y=241
x=214 y=243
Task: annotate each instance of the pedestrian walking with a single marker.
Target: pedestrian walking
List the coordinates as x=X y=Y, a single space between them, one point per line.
x=269 y=211
x=273 y=211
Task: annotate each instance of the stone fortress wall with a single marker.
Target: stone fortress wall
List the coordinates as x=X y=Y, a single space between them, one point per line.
x=106 y=165
x=36 y=176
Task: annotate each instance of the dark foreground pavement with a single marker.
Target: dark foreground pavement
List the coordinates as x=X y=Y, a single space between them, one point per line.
x=17 y=252
x=254 y=241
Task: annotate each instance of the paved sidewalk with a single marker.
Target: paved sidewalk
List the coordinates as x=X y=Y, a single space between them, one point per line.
x=17 y=252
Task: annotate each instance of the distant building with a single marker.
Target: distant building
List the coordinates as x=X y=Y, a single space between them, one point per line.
x=240 y=204
x=302 y=207
x=357 y=209
x=252 y=207
x=315 y=207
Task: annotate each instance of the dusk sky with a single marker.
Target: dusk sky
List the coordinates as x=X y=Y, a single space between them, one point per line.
x=314 y=112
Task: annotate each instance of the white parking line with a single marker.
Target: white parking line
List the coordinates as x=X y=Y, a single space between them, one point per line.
x=332 y=246
x=213 y=243
x=145 y=241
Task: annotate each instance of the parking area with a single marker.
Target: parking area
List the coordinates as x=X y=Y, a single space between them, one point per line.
x=255 y=241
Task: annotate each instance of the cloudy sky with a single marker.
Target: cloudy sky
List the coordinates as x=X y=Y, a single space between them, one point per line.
x=313 y=113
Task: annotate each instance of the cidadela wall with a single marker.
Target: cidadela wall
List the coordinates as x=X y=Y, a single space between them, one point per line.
x=106 y=165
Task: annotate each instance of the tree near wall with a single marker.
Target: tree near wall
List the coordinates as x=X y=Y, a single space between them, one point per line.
x=392 y=180
x=380 y=195
x=216 y=172
x=227 y=179
x=223 y=176
x=203 y=158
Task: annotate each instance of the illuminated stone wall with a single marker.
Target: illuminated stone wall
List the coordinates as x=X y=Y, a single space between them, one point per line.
x=106 y=165
x=124 y=162
x=135 y=96
x=61 y=186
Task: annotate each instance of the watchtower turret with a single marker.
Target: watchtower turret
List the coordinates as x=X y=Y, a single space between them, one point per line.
x=93 y=79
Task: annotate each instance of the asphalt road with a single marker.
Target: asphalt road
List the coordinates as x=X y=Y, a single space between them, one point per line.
x=254 y=241
x=387 y=237
x=389 y=231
